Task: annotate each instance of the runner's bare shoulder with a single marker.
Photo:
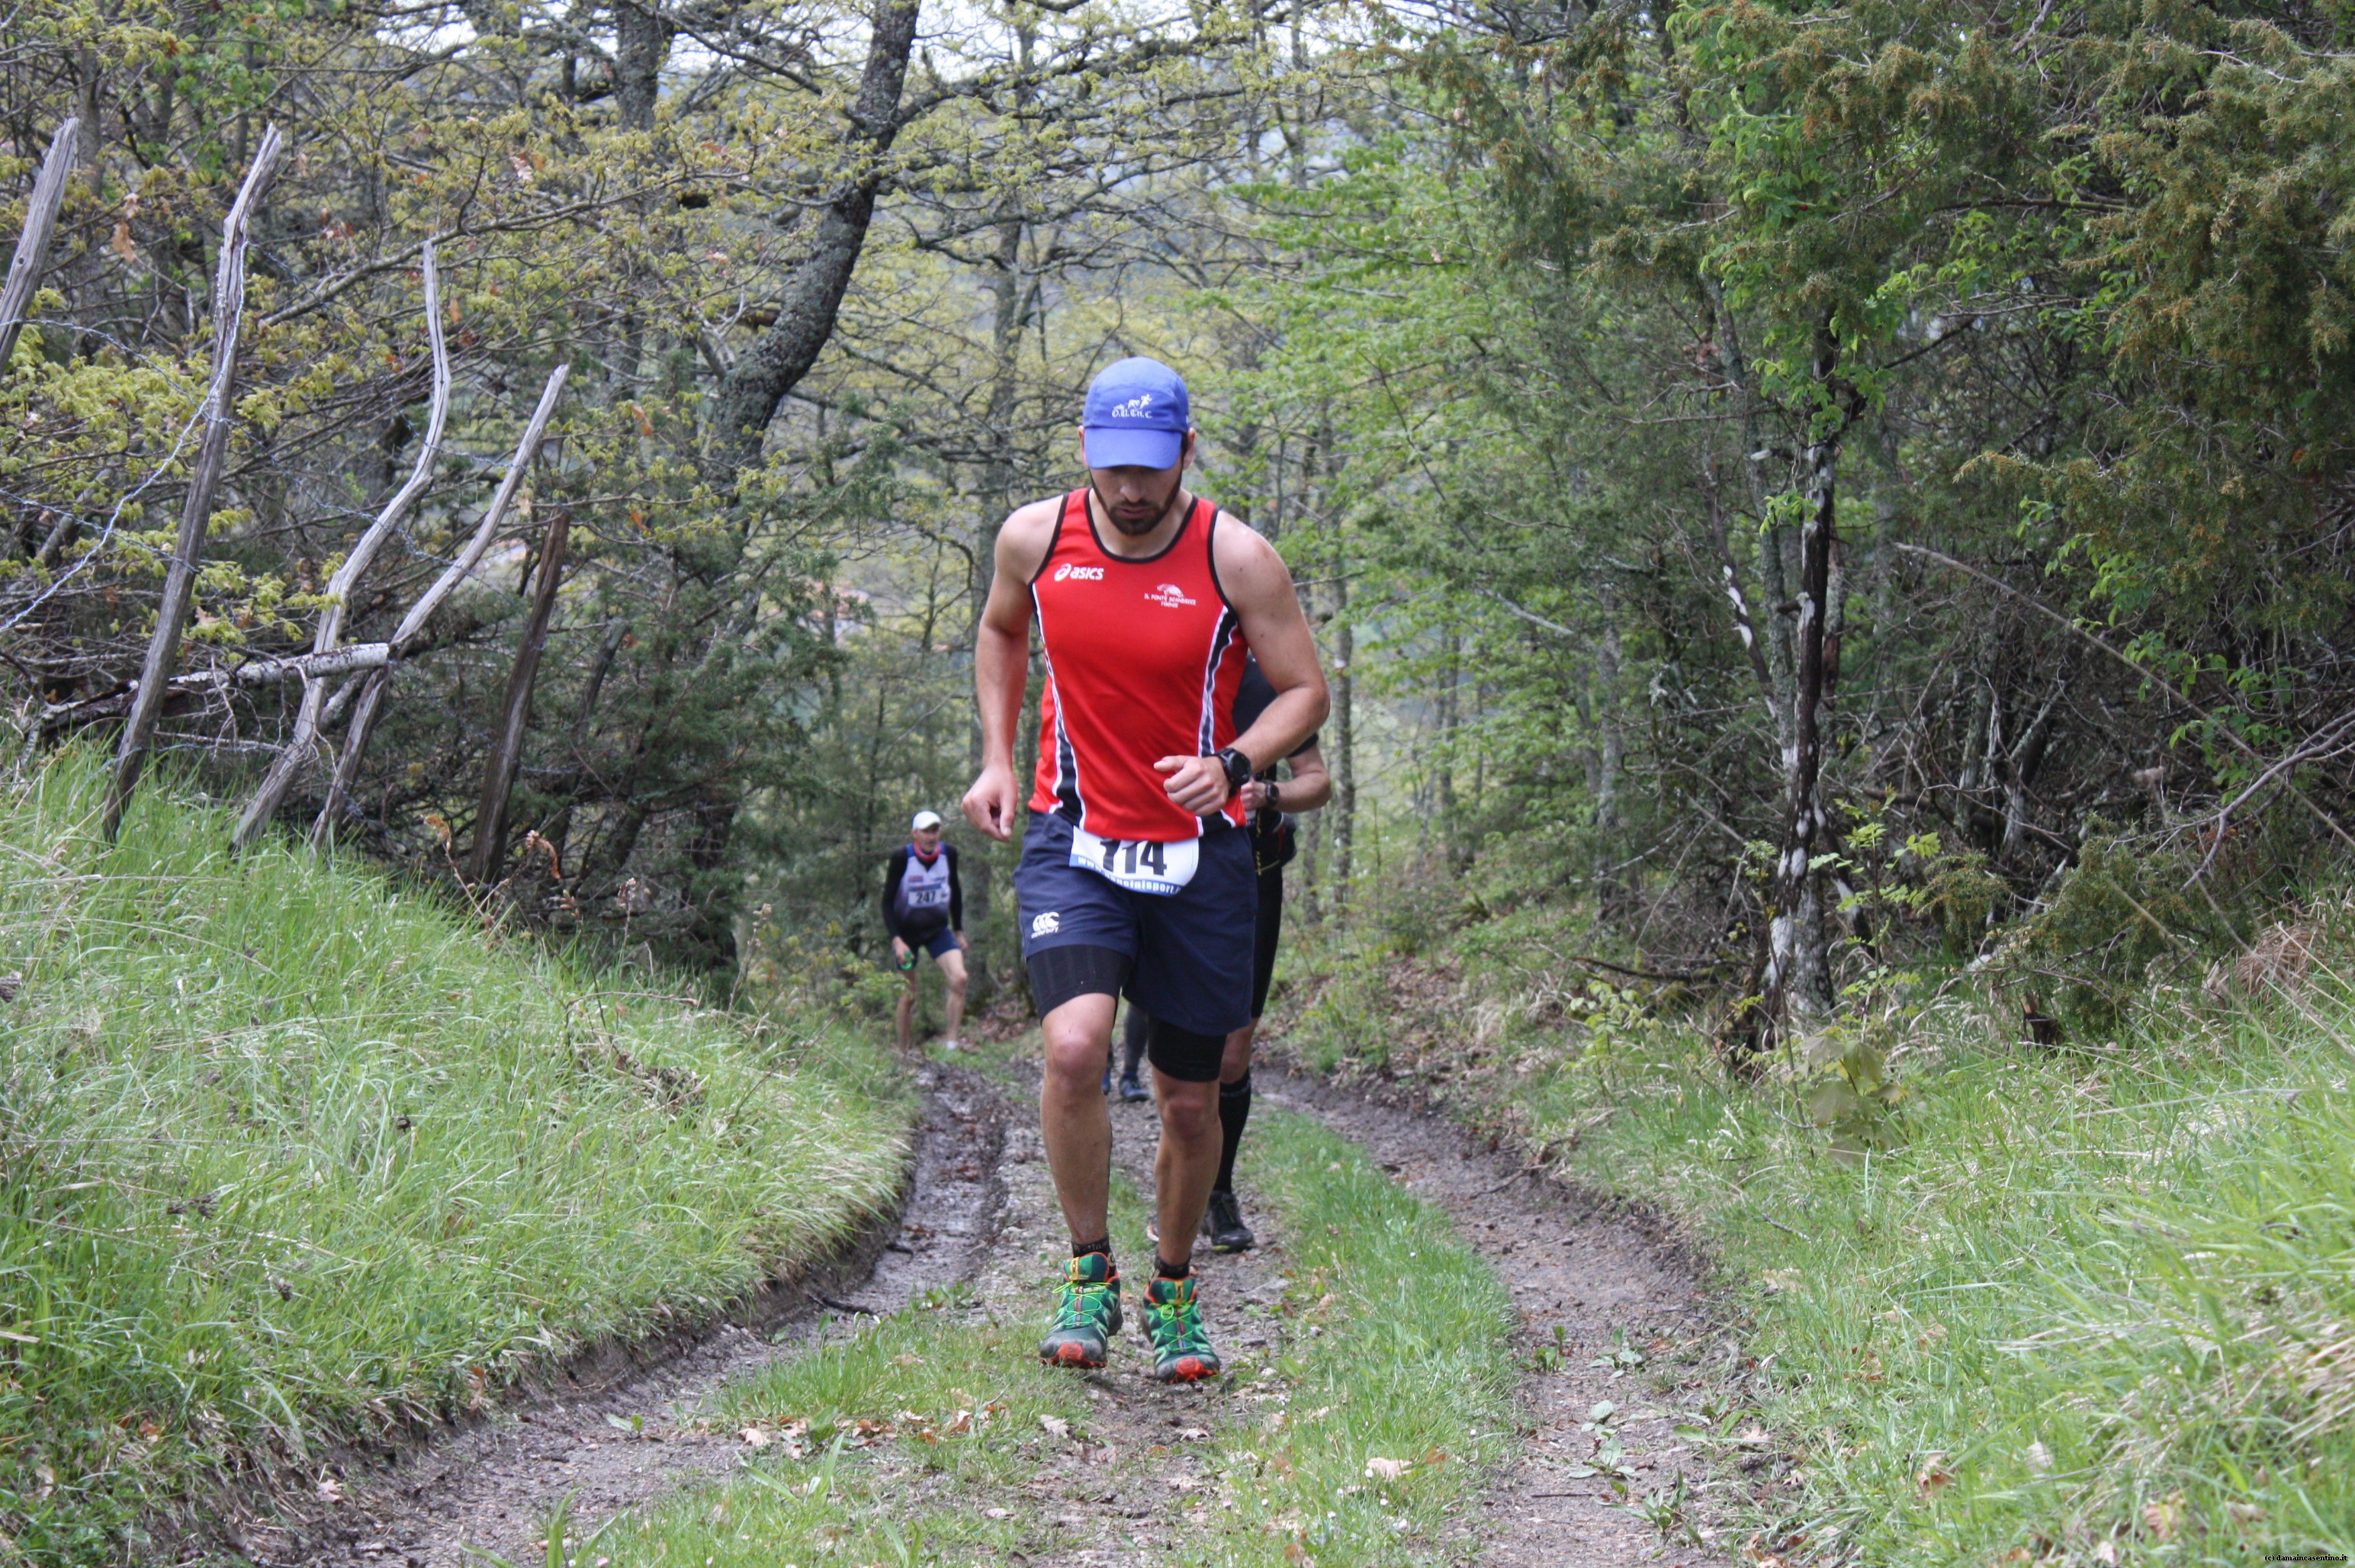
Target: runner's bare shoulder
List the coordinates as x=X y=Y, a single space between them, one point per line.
x=1244 y=561
x=1024 y=537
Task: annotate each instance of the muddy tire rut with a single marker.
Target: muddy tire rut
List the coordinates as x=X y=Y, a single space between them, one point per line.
x=491 y=1487
x=1608 y=1281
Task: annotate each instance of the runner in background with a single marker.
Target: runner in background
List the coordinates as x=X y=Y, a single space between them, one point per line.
x=923 y=910
x=1275 y=841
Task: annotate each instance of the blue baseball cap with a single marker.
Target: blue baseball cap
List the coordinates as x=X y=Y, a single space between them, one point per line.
x=1135 y=417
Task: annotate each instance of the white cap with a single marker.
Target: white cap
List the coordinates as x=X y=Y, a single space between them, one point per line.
x=924 y=819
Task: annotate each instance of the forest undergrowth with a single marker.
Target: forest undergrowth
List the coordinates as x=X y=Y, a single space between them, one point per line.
x=2005 y=1302
x=292 y=1159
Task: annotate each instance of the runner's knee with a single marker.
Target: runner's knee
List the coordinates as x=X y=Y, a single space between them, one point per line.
x=1190 y=1112
x=1235 y=1063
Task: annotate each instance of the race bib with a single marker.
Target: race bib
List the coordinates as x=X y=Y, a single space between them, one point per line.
x=1140 y=865
x=935 y=896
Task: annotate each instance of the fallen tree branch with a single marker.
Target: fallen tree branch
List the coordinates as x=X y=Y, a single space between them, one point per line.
x=260 y=672
x=370 y=702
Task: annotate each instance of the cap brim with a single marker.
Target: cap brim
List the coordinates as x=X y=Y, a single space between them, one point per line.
x=1109 y=447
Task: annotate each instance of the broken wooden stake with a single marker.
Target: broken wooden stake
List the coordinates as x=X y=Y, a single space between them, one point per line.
x=218 y=411
x=506 y=742
x=33 y=245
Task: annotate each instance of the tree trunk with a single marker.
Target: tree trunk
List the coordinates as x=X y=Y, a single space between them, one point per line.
x=1800 y=966
x=641 y=44
x=774 y=366
x=1345 y=752
x=506 y=745
x=218 y=411
x=412 y=624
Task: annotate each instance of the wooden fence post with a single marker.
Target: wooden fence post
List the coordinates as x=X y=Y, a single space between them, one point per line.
x=33 y=244
x=303 y=744
x=412 y=625
x=218 y=411
x=506 y=745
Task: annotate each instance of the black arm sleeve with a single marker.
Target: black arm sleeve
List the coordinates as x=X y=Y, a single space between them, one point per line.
x=893 y=870
x=956 y=890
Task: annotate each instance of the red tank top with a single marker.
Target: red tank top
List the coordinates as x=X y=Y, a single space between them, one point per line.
x=1143 y=659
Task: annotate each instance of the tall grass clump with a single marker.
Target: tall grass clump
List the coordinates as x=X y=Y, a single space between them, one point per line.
x=289 y=1157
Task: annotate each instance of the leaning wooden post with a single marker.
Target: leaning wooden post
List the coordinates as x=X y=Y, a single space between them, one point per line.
x=412 y=625
x=304 y=745
x=506 y=744
x=33 y=244
x=188 y=549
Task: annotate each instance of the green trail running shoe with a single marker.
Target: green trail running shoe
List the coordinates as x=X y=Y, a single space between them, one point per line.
x=1173 y=1321
x=1087 y=1314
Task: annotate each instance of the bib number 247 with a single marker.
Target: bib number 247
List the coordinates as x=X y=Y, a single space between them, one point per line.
x=1143 y=866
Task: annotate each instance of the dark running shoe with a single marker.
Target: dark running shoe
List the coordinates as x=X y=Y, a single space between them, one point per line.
x=1225 y=1223
x=1131 y=1090
x=1087 y=1314
x=1173 y=1322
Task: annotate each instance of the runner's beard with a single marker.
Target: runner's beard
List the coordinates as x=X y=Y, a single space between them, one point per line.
x=1135 y=530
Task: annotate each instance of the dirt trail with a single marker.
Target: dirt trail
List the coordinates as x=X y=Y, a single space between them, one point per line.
x=1606 y=1283
x=491 y=1487
x=1130 y=1484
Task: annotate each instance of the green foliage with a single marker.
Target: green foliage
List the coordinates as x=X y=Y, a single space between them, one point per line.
x=2124 y=907
x=291 y=1157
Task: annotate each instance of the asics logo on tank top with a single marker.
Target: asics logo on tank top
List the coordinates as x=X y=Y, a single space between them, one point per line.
x=1126 y=690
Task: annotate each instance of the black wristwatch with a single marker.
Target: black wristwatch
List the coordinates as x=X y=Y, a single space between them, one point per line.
x=1238 y=767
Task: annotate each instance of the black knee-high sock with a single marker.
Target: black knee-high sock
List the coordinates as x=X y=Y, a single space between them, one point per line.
x=1234 y=1110
x=1136 y=1032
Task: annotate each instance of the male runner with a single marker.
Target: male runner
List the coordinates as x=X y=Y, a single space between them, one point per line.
x=923 y=907
x=1275 y=841
x=1136 y=876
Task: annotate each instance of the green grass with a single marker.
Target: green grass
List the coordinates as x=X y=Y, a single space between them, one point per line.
x=1408 y=1359
x=2089 y=1307
x=289 y=1157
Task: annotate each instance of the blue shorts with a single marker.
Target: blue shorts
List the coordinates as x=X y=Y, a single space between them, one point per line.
x=1189 y=952
x=940 y=943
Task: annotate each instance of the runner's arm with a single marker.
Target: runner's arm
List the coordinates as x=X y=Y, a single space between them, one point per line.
x=1001 y=666
x=1255 y=582
x=1311 y=783
x=893 y=870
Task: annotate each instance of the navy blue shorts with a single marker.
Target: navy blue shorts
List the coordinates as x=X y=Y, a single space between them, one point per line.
x=940 y=941
x=1189 y=952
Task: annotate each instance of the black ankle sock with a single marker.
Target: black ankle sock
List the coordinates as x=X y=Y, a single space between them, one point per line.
x=1234 y=1110
x=1081 y=1249
x=1163 y=1269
